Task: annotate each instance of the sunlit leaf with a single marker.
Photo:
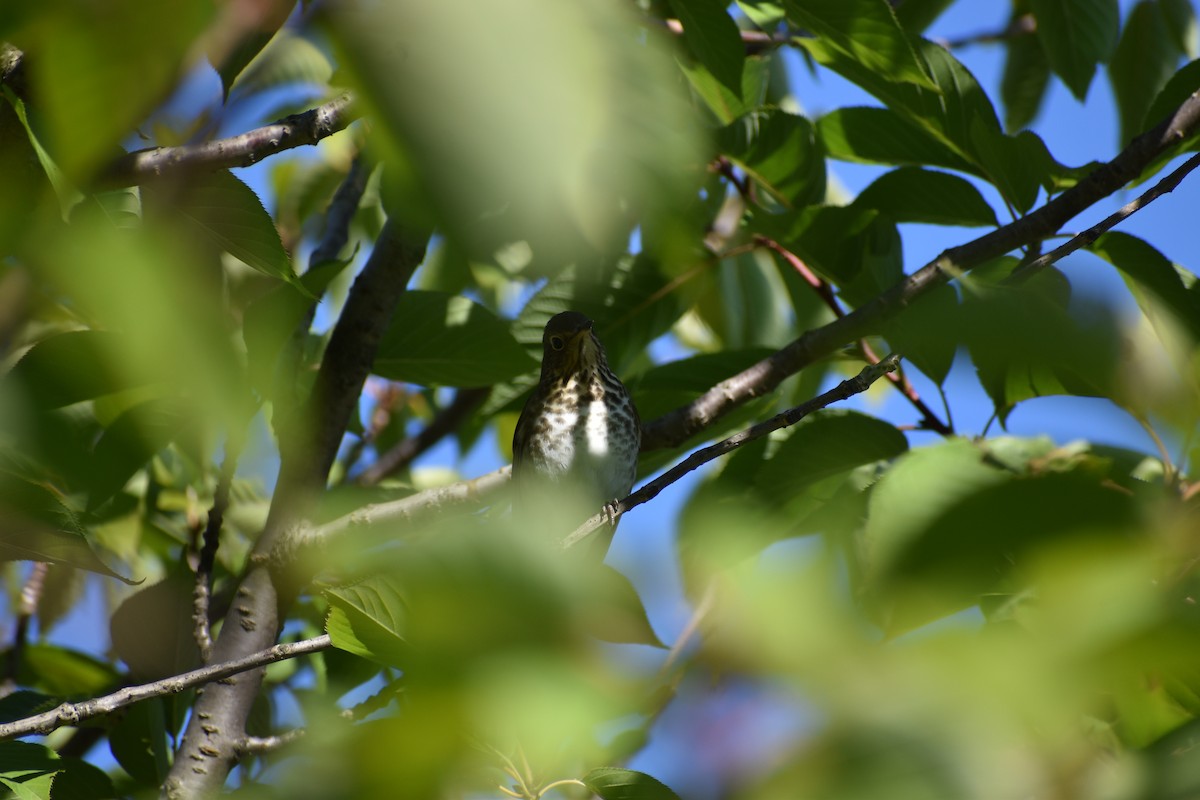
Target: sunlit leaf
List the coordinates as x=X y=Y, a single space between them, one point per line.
x=287 y=59
x=780 y=152
x=865 y=30
x=726 y=104
x=368 y=619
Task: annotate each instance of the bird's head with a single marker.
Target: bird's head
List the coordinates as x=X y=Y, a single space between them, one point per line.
x=569 y=346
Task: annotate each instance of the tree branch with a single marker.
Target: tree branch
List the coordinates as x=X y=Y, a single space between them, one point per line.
x=444 y=423
x=74 y=713
x=242 y=150
x=307 y=450
x=929 y=420
x=1026 y=271
x=847 y=388
x=403 y=510
x=676 y=427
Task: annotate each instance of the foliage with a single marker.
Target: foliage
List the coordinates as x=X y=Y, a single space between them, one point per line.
x=966 y=613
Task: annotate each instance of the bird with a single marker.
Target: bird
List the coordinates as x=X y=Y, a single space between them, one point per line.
x=578 y=436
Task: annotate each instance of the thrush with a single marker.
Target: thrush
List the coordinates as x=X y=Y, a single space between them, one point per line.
x=579 y=432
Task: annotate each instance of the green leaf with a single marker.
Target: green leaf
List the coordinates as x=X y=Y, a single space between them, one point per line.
x=439 y=339
x=911 y=194
x=853 y=247
x=1026 y=76
x=780 y=151
x=824 y=445
x=38 y=526
x=616 y=613
x=882 y=136
x=71 y=367
x=65 y=672
x=725 y=103
x=1025 y=344
x=27 y=769
x=1016 y=165
x=866 y=31
x=938 y=570
x=1177 y=89
x=917 y=15
x=24 y=703
x=102 y=70
x=152 y=629
x=1181 y=25
x=918 y=332
x=368 y=619
x=615 y=783
x=1150 y=271
x=949 y=112
x=1144 y=61
x=287 y=59
x=713 y=38
x=271 y=321
x=227 y=213
x=66 y=193
x=129 y=442
x=138 y=741
x=766 y=14
x=1076 y=35
x=917 y=490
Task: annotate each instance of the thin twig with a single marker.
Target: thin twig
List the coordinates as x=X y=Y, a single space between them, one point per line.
x=444 y=423
x=74 y=713
x=340 y=213
x=1165 y=186
x=847 y=388
x=1022 y=25
x=211 y=541
x=31 y=595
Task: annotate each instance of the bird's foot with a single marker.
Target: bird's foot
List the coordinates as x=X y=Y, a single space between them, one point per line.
x=612 y=512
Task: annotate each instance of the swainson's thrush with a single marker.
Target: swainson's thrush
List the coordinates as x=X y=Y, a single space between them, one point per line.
x=579 y=431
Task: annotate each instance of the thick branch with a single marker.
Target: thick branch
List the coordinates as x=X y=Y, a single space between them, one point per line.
x=852 y=386
x=308 y=127
x=74 y=713
x=217 y=726
x=1080 y=240
x=678 y=426
x=404 y=510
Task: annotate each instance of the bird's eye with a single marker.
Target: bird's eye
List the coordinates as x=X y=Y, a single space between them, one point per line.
x=556 y=342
